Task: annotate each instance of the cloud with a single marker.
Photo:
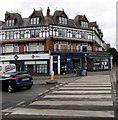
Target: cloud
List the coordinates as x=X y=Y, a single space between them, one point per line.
x=102 y=11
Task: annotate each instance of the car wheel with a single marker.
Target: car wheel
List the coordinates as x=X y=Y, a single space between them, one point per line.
x=10 y=88
x=29 y=86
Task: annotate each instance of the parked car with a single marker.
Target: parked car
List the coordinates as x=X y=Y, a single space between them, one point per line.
x=12 y=81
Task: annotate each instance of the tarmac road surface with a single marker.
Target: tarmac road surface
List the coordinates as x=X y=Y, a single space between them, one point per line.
x=87 y=98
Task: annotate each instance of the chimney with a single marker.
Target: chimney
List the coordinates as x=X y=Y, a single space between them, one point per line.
x=48 y=12
x=6 y=14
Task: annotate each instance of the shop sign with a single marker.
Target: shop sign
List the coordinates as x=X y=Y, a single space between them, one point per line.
x=98 y=55
x=24 y=57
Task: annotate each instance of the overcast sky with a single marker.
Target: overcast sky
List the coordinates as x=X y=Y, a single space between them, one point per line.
x=102 y=11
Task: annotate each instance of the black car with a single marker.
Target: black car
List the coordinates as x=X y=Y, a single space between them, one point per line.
x=12 y=81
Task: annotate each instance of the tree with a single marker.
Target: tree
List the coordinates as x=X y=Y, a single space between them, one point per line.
x=114 y=53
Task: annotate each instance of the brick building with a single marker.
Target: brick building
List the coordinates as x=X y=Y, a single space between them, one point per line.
x=40 y=44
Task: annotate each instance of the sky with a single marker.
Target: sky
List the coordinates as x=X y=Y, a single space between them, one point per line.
x=101 y=11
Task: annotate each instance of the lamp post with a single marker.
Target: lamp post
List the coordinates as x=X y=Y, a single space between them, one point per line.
x=117 y=73
x=86 y=64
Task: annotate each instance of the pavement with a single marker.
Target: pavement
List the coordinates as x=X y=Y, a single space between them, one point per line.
x=113 y=71
x=91 y=97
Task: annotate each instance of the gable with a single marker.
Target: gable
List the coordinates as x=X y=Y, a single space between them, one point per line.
x=9 y=18
x=34 y=15
x=63 y=14
x=84 y=19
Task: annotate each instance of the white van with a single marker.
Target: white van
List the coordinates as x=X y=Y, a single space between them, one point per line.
x=6 y=68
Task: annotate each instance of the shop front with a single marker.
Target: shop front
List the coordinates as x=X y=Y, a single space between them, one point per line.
x=99 y=62
x=66 y=62
x=31 y=63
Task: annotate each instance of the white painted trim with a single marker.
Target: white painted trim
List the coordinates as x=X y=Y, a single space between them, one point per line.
x=25 y=57
x=59 y=65
x=51 y=64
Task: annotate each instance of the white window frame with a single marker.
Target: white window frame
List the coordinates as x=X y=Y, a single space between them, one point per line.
x=16 y=48
x=34 y=21
x=63 y=20
x=16 y=35
x=8 y=46
x=27 y=34
x=10 y=23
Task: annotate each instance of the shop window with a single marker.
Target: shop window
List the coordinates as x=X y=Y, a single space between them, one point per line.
x=41 y=68
x=30 y=66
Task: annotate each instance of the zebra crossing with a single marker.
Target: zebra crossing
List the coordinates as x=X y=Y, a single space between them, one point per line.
x=86 y=97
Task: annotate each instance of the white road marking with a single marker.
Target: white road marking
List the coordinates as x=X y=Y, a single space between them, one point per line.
x=80 y=103
x=55 y=112
x=83 y=91
x=78 y=96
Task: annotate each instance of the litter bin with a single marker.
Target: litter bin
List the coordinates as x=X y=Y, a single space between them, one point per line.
x=84 y=73
x=79 y=72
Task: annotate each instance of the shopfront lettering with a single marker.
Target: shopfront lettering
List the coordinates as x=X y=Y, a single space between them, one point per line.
x=35 y=56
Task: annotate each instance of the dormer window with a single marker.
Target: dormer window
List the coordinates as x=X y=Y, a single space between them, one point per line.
x=10 y=23
x=35 y=21
x=62 y=20
x=84 y=24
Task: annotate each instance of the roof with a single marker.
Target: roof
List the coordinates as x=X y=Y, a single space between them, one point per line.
x=39 y=13
x=46 y=20
x=93 y=24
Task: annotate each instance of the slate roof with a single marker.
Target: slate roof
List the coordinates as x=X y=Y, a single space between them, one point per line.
x=46 y=20
x=39 y=13
x=93 y=24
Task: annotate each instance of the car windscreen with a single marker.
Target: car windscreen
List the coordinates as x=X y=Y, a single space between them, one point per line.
x=22 y=75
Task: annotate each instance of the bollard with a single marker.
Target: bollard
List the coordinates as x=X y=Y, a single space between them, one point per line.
x=51 y=81
x=52 y=75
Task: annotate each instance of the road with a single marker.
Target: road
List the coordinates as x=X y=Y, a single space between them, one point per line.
x=85 y=98
x=40 y=86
